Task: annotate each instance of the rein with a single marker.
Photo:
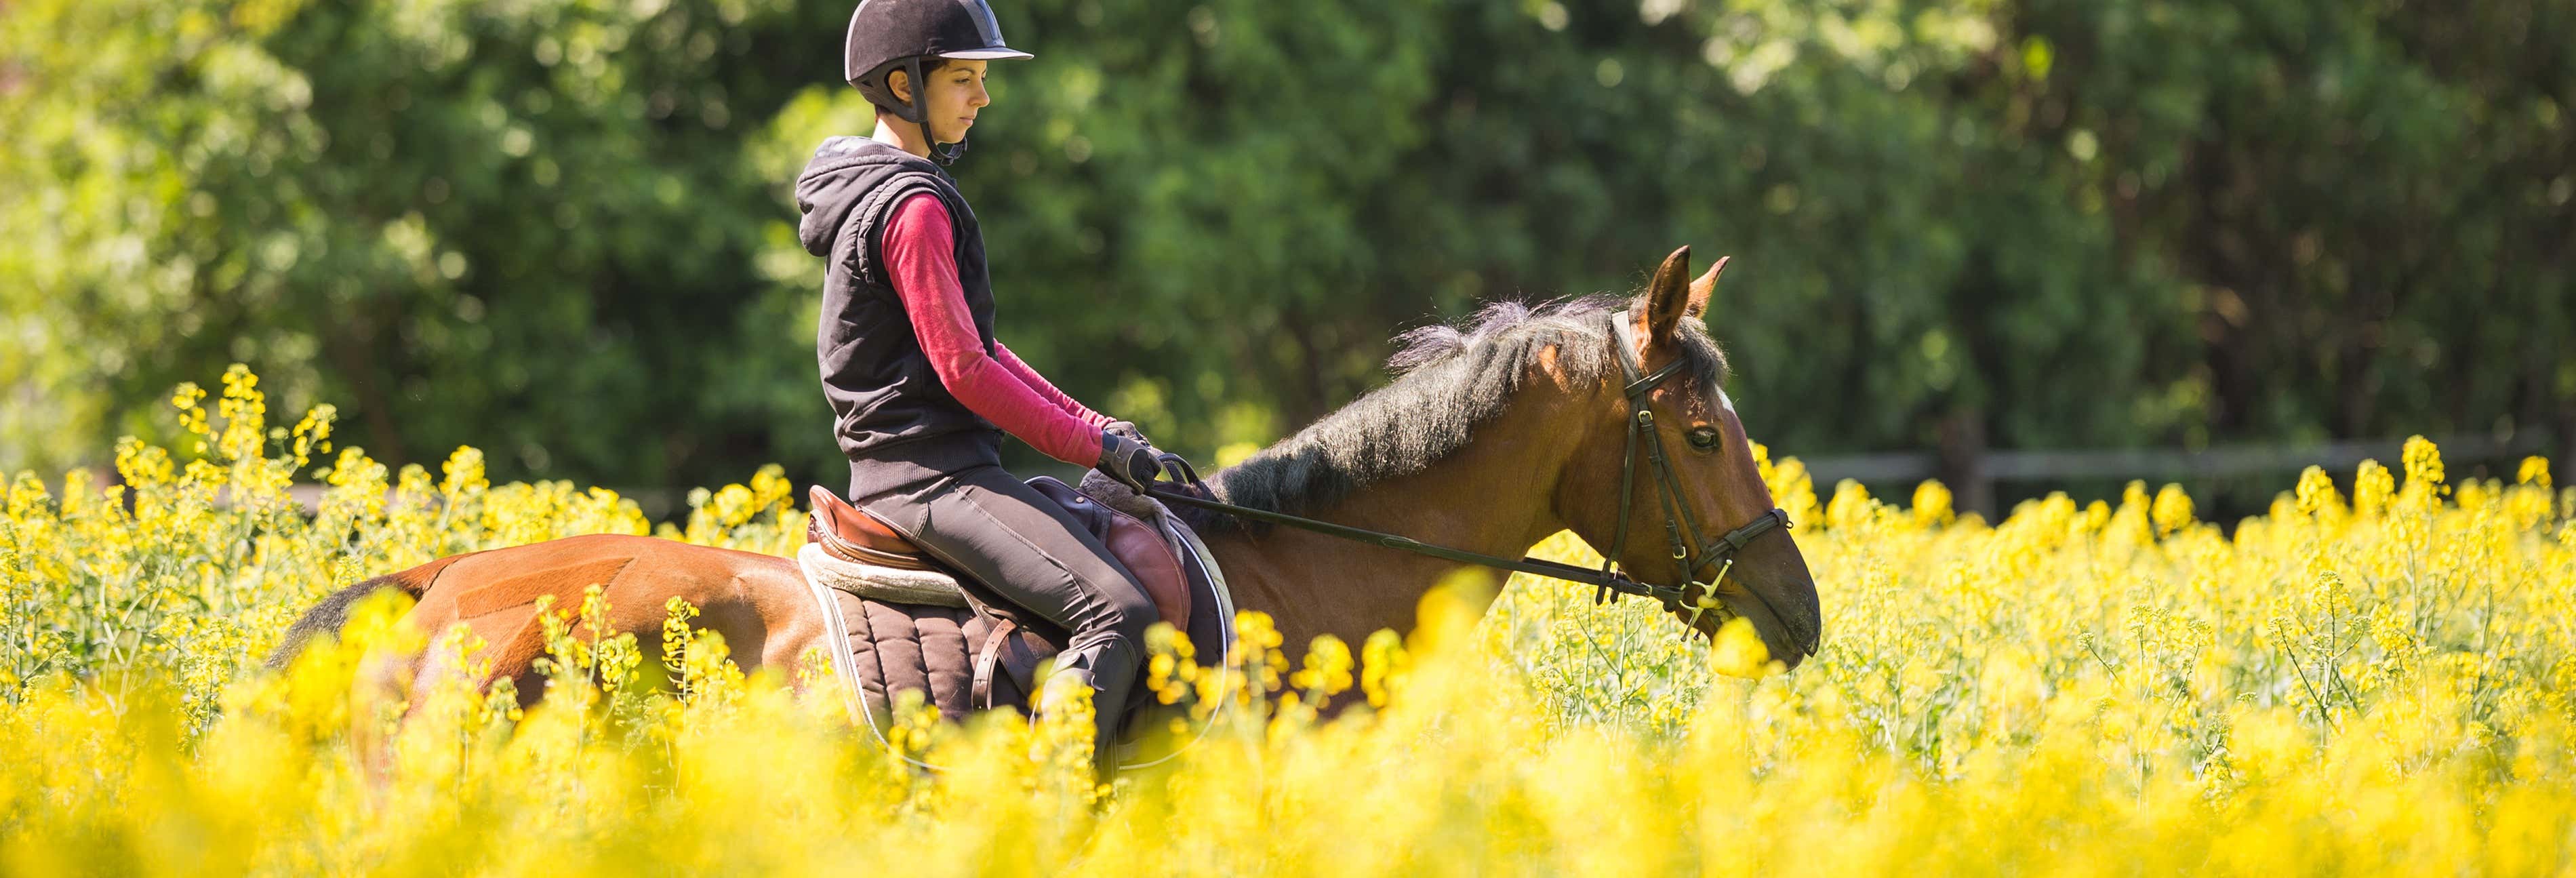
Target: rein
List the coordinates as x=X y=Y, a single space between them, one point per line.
x=1611 y=581
x=1681 y=528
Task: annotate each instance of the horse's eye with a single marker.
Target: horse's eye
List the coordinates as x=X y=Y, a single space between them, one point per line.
x=1704 y=438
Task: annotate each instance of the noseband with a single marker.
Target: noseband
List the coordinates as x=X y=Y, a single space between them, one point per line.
x=1681 y=528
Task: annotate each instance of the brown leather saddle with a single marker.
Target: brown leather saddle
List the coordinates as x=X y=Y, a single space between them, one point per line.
x=986 y=654
x=852 y=534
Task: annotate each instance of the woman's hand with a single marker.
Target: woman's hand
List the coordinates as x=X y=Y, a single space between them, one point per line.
x=1127 y=429
x=1128 y=460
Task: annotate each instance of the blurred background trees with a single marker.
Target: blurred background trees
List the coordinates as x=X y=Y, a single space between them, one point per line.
x=561 y=230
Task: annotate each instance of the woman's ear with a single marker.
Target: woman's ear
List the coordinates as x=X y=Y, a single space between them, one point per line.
x=899 y=84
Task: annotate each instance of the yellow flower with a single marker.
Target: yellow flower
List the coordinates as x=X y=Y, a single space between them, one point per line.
x=2172 y=510
x=2371 y=488
x=1851 y=507
x=1932 y=504
x=2158 y=698
x=2534 y=472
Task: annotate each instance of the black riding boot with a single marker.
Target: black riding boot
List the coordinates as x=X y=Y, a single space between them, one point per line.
x=1107 y=666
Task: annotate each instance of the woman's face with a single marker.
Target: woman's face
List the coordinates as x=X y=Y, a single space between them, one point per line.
x=955 y=94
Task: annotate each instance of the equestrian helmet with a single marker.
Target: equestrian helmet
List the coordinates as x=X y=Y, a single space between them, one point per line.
x=886 y=35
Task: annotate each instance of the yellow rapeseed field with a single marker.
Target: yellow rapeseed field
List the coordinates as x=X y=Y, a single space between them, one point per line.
x=2378 y=683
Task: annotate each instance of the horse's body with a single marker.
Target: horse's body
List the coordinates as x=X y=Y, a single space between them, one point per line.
x=757 y=602
x=1491 y=442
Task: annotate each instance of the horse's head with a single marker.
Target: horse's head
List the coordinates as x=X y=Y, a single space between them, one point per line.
x=1713 y=477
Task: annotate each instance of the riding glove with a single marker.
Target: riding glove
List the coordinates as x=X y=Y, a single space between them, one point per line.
x=1127 y=429
x=1129 y=460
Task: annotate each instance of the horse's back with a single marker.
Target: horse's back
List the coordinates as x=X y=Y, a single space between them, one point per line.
x=756 y=601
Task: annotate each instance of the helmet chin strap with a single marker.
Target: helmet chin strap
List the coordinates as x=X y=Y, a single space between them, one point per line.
x=913 y=112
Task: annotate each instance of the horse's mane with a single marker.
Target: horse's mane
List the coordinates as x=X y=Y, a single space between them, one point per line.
x=1449 y=379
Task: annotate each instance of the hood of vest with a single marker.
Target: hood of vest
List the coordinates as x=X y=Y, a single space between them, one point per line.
x=832 y=184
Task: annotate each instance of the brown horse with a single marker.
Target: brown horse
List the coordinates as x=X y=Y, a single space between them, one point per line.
x=1491 y=438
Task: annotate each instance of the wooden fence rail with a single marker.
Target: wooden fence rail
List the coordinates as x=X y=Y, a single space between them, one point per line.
x=1972 y=476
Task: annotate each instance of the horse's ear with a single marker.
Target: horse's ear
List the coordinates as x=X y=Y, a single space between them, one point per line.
x=1699 y=290
x=1665 y=299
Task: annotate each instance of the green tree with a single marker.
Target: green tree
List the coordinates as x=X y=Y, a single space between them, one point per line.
x=562 y=229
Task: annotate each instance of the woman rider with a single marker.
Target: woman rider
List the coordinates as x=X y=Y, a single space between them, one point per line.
x=921 y=390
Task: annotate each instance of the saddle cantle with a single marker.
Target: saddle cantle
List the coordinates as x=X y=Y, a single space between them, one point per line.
x=909 y=625
x=852 y=535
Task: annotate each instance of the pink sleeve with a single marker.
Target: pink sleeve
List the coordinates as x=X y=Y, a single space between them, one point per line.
x=921 y=258
x=1037 y=382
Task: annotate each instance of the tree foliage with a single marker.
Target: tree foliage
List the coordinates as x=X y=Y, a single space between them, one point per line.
x=560 y=229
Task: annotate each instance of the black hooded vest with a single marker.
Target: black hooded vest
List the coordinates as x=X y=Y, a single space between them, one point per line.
x=889 y=409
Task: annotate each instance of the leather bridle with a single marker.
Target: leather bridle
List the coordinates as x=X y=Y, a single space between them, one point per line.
x=1681 y=527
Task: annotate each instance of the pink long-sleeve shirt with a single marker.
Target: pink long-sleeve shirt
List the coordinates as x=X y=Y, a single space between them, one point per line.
x=920 y=248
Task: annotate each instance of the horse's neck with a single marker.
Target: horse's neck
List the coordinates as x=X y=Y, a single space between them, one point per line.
x=1492 y=496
